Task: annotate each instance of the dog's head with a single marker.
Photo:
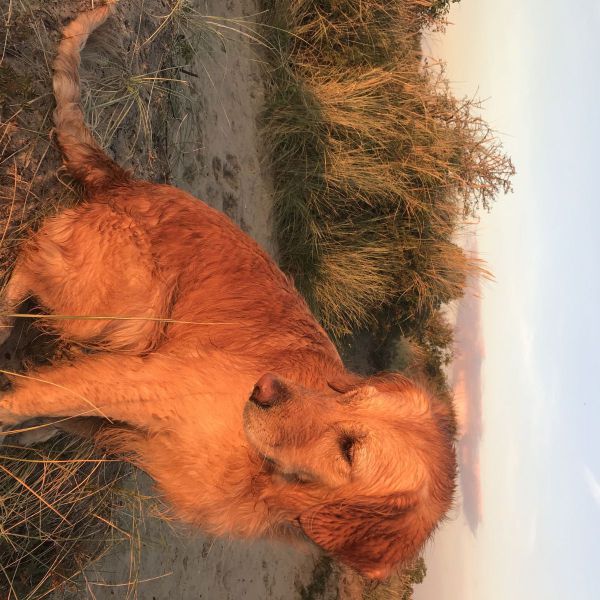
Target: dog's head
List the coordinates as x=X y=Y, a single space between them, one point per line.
x=366 y=469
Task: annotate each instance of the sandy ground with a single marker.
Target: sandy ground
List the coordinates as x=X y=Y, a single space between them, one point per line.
x=213 y=152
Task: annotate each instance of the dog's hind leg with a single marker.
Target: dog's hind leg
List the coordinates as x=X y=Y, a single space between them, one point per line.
x=92 y=269
x=130 y=389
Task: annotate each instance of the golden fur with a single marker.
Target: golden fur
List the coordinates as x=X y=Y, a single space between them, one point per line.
x=223 y=387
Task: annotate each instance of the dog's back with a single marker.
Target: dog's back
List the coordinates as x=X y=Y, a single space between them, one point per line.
x=232 y=275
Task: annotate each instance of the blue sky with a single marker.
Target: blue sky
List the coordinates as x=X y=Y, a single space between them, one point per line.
x=537 y=63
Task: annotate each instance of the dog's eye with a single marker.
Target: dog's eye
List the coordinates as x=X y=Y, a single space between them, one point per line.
x=347 y=447
x=296 y=477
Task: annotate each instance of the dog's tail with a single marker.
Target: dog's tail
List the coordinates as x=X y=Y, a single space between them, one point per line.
x=83 y=157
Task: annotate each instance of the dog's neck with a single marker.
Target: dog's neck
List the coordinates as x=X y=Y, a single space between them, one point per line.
x=190 y=473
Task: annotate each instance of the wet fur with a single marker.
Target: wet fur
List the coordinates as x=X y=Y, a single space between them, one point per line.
x=213 y=315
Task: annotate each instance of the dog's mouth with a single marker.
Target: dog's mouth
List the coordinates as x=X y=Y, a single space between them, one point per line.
x=269 y=465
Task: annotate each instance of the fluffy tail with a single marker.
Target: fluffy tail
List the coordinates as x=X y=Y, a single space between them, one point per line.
x=83 y=157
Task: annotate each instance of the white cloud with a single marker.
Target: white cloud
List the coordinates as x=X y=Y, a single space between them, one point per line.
x=592 y=483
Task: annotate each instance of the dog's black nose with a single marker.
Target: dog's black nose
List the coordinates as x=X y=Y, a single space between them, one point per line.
x=268 y=391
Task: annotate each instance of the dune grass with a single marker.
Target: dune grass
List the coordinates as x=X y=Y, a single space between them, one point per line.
x=400 y=587
x=376 y=164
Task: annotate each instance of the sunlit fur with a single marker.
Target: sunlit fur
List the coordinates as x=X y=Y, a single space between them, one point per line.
x=174 y=390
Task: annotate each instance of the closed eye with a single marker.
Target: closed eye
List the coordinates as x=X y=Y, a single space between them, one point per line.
x=347 y=444
x=297 y=477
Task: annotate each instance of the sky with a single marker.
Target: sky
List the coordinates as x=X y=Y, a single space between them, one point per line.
x=527 y=521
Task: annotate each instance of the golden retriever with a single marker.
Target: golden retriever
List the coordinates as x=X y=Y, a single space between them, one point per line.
x=214 y=375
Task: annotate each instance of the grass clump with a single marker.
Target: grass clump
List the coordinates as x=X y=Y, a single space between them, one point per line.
x=400 y=586
x=376 y=163
x=57 y=507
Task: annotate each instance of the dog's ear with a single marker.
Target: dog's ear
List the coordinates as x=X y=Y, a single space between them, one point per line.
x=389 y=382
x=345 y=383
x=371 y=536
x=445 y=418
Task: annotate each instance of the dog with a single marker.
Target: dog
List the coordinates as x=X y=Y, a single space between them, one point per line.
x=210 y=372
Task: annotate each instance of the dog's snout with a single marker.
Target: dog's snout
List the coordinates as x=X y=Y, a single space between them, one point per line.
x=268 y=391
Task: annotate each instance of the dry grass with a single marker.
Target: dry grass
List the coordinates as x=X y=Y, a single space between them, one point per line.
x=376 y=163
x=400 y=586
x=57 y=512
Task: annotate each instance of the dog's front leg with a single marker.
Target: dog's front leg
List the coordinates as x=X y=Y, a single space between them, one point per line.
x=131 y=389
